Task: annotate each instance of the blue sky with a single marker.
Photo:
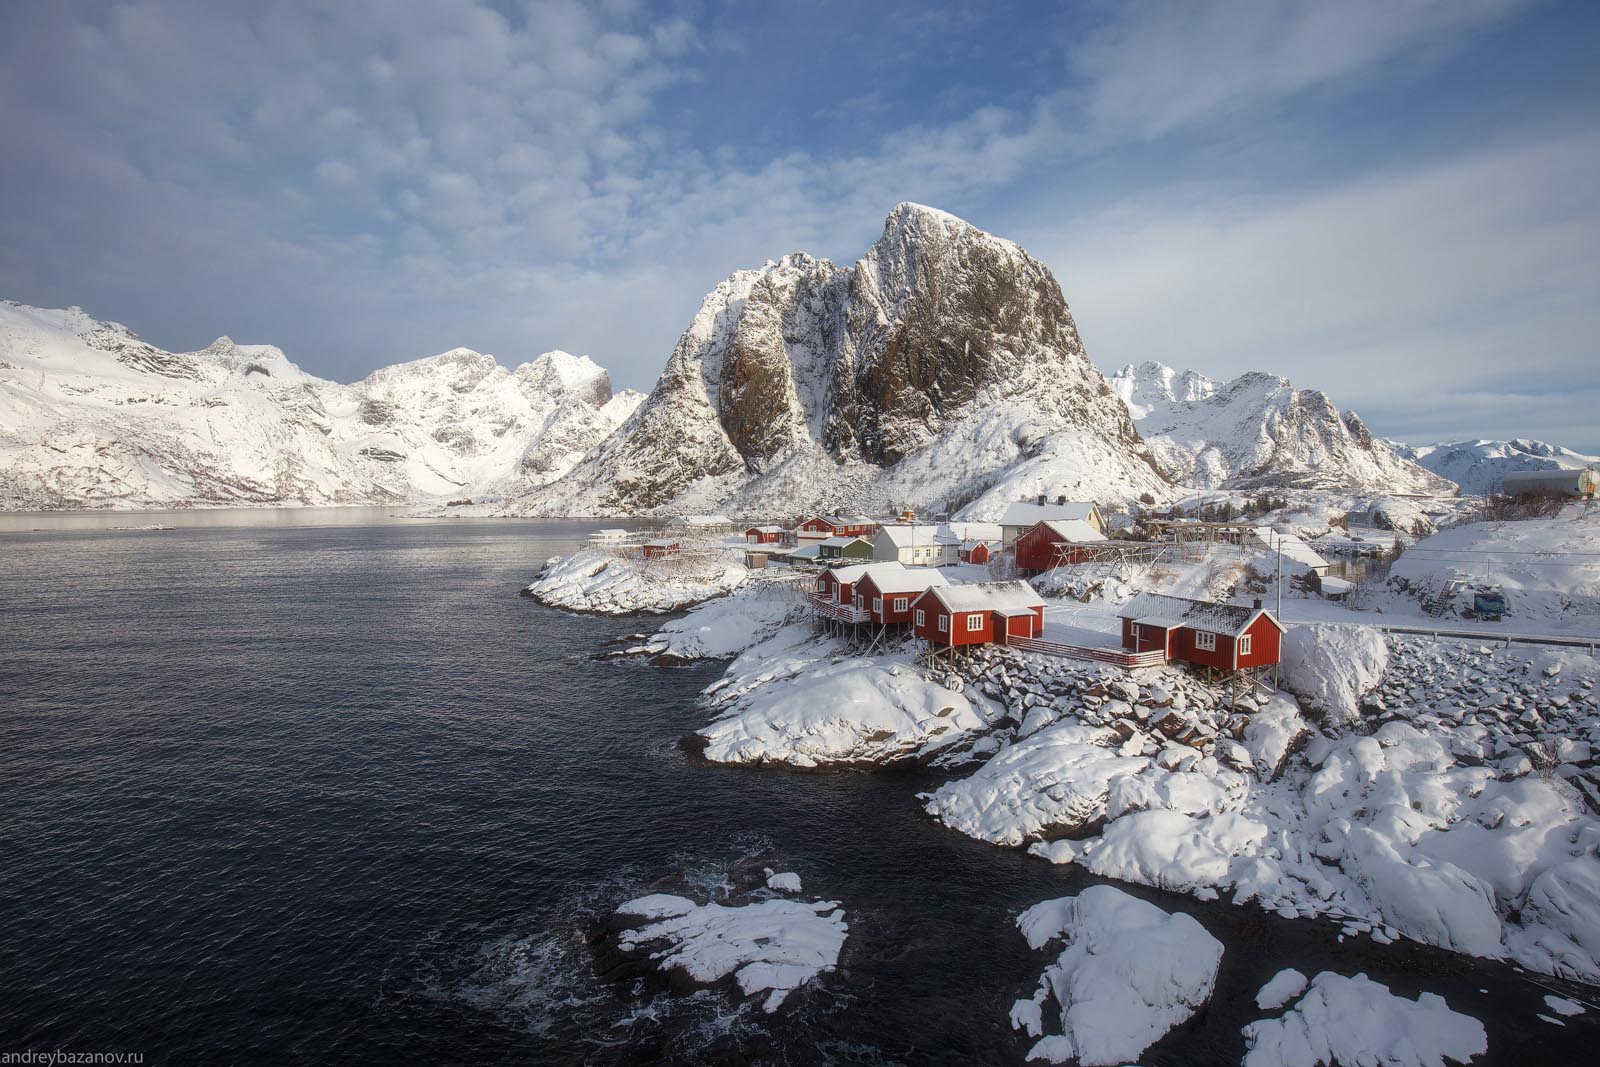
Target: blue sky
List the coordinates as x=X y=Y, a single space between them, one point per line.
x=1391 y=201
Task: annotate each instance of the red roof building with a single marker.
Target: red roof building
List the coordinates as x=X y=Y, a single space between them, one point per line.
x=659 y=549
x=1225 y=637
x=978 y=613
x=888 y=594
x=1055 y=542
x=765 y=535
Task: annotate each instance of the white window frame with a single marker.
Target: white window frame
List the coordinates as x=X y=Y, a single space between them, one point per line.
x=1205 y=641
x=1244 y=644
x=921 y=617
x=975 y=622
x=877 y=603
x=901 y=603
x=944 y=624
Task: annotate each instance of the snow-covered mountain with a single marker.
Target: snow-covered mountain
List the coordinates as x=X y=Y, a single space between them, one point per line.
x=91 y=416
x=1478 y=466
x=943 y=368
x=1258 y=431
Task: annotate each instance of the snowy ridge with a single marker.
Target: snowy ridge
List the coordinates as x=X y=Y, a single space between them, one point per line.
x=1478 y=466
x=91 y=416
x=1257 y=431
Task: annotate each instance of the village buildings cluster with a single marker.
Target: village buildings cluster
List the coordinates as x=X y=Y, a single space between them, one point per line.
x=874 y=579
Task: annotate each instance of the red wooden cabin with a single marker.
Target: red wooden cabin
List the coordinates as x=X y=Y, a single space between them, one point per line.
x=1225 y=637
x=837 y=585
x=822 y=526
x=889 y=594
x=975 y=552
x=979 y=613
x=659 y=549
x=765 y=535
x=1050 y=544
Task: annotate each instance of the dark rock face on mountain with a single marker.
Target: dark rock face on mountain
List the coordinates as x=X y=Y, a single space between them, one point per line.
x=807 y=384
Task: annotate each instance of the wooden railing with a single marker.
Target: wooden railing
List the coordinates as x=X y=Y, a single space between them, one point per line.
x=1099 y=653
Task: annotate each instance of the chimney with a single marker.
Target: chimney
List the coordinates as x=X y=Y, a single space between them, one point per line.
x=1062 y=499
x=1258 y=603
x=1041 y=500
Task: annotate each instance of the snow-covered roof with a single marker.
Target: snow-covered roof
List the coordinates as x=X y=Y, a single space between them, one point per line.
x=838 y=541
x=968 y=546
x=661 y=544
x=806 y=551
x=1158 y=609
x=851 y=575
x=764 y=529
x=1293 y=548
x=902 y=536
x=1336 y=586
x=1075 y=531
x=1026 y=514
x=609 y=535
x=908 y=580
x=1006 y=598
x=972 y=531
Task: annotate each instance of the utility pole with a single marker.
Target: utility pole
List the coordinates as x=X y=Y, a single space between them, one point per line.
x=1280 y=576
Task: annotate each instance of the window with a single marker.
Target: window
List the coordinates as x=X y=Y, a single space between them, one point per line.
x=1138 y=631
x=1205 y=642
x=974 y=622
x=901 y=603
x=944 y=623
x=1244 y=645
x=859 y=601
x=920 y=618
x=877 y=603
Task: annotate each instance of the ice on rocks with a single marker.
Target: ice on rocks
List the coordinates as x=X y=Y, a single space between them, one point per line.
x=614 y=581
x=786 y=882
x=1128 y=973
x=1358 y=1021
x=770 y=946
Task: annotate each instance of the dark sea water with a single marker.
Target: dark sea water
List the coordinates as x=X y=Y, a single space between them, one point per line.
x=320 y=788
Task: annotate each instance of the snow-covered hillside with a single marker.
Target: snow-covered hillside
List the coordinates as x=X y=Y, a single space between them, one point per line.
x=942 y=366
x=1258 y=430
x=1478 y=466
x=91 y=416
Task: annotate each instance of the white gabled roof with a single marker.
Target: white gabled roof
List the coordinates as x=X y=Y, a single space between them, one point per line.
x=764 y=529
x=805 y=551
x=1230 y=620
x=908 y=535
x=1006 y=598
x=1074 y=530
x=1026 y=514
x=909 y=580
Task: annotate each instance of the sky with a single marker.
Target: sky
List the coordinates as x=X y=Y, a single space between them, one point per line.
x=1390 y=200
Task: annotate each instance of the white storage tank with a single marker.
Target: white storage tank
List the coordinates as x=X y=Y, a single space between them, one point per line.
x=1585 y=482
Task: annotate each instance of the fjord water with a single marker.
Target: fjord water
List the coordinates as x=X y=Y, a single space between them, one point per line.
x=319 y=787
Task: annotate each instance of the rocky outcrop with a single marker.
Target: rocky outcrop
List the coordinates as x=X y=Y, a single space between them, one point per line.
x=917 y=376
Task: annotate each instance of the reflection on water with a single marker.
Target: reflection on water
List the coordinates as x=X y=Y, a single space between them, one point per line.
x=316 y=785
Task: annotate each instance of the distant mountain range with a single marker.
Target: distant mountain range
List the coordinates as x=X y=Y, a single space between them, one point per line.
x=940 y=371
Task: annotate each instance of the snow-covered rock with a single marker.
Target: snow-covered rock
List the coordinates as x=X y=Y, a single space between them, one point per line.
x=1128 y=973
x=941 y=359
x=1258 y=431
x=618 y=581
x=1281 y=988
x=1358 y=1021
x=91 y=416
x=791 y=709
x=770 y=946
x=1330 y=668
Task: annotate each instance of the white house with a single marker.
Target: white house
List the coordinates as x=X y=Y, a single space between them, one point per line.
x=915 y=545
